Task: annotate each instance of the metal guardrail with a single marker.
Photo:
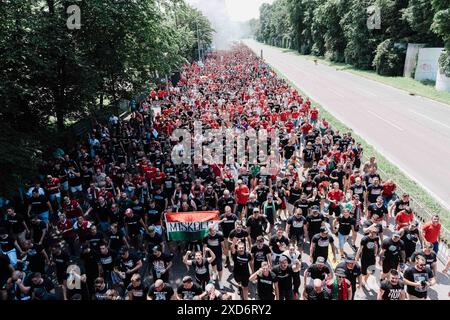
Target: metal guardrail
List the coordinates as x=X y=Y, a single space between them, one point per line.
x=423 y=215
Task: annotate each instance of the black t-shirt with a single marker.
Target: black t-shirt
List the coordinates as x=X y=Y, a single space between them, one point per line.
x=139 y=292
x=296 y=225
x=223 y=202
x=15 y=224
x=133 y=225
x=159 y=264
x=314 y=223
x=115 y=240
x=274 y=244
x=359 y=191
x=256 y=226
x=392 y=249
x=259 y=255
x=154 y=215
x=294 y=195
x=250 y=206
x=429 y=258
x=303 y=205
x=375 y=209
x=214 y=242
x=314 y=296
x=400 y=205
x=38 y=205
x=265 y=285
x=284 y=277
x=35 y=258
x=107 y=260
x=262 y=193
x=410 y=239
x=412 y=274
x=368 y=246
x=390 y=291
x=345 y=225
x=373 y=192
x=7 y=244
x=321 y=245
x=95 y=240
x=339 y=175
x=242 y=235
x=153 y=241
x=128 y=263
x=288 y=151
x=166 y=293
x=241 y=263
x=368 y=223
x=318 y=273
x=189 y=294
x=352 y=274
x=228 y=224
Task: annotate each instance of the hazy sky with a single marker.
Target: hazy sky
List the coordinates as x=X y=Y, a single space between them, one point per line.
x=240 y=10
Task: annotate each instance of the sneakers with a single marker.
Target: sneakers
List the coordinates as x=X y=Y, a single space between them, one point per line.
x=221 y=287
x=214 y=276
x=355 y=248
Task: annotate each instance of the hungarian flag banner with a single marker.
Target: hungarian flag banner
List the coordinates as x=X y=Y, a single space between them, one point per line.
x=189 y=226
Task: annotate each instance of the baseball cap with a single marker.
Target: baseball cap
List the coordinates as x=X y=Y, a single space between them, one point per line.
x=315 y=208
x=414 y=223
x=156 y=248
x=187 y=279
x=320 y=260
x=340 y=272
x=323 y=229
x=151 y=228
x=396 y=234
x=350 y=258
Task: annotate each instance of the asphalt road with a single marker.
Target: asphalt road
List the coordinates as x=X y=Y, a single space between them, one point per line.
x=411 y=131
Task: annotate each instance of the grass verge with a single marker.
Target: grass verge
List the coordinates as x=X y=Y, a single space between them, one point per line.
x=390 y=170
x=424 y=89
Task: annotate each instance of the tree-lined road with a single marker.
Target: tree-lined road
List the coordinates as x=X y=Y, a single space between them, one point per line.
x=413 y=132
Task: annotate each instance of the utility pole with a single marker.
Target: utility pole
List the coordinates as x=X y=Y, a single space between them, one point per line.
x=198 y=42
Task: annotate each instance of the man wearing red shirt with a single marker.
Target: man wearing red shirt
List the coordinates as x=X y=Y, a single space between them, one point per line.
x=431 y=231
x=158 y=178
x=388 y=191
x=242 y=194
x=71 y=208
x=335 y=196
x=403 y=218
x=314 y=115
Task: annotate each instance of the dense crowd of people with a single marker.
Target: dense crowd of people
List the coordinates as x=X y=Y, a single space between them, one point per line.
x=93 y=225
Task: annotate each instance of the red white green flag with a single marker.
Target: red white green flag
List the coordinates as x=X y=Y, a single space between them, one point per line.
x=189 y=226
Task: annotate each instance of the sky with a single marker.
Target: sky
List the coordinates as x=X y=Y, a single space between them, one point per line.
x=240 y=10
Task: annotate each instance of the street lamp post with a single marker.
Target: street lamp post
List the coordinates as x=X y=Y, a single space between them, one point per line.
x=198 y=42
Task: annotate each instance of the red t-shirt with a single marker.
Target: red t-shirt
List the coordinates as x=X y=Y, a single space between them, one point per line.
x=403 y=219
x=306 y=127
x=388 y=189
x=242 y=194
x=335 y=195
x=431 y=232
x=314 y=114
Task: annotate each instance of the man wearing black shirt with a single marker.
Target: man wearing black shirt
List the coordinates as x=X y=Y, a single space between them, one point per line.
x=16 y=224
x=256 y=225
x=39 y=206
x=418 y=279
x=160 y=263
x=295 y=229
x=106 y=258
x=215 y=241
x=346 y=225
x=320 y=243
x=316 y=292
x=261 y=253
x=278 y=243
x=126 y=265
x=284 y=273
x=392 y=289
x=302 y=204
x=314 y=221
x=226 y=200
x=374 y=190
x=367 y=252
x=400 y=204
x=318 y=270
x=241 y=271
x=160 y=291
x=392 y=253
x=266 y=280
x=338 y=175
x=188 y=290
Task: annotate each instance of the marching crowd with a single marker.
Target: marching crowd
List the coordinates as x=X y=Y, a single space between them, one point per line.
x=92 y=225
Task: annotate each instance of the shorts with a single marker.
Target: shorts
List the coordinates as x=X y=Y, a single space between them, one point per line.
x=44 y=216
x=217 y=261
x=389 y=265
x=366 y=264
x=298 y=238
x=307 y=164
x=336 y=210
x=242 y=279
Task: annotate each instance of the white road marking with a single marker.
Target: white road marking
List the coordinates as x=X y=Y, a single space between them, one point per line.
x=385 y=120
x=431 y=119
